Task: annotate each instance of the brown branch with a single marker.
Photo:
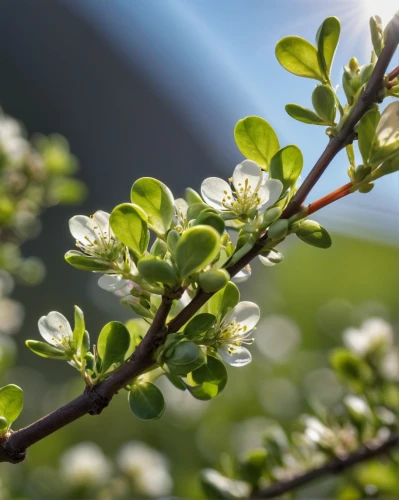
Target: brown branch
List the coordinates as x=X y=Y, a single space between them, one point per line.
x=13 y=446
x=334 y=467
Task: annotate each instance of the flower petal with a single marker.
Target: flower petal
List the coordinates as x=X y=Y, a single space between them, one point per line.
x=102 y=225
x=272 y=258
x=181 y=206
x=83 y=229
x=246 y=313
x=54 y=327
x=240 y=356
x=242 y=275
x=112 y=282
x=214 y=190
x=250 y=170
x=269 y=193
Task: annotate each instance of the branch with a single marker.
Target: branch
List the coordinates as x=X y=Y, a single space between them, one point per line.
x=334 y=467
x=13 y=446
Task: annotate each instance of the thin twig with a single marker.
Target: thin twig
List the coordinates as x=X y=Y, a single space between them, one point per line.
x=334 y=467
x=13 y=446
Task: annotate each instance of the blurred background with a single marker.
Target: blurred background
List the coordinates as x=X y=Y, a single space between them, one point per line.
x=154 y=88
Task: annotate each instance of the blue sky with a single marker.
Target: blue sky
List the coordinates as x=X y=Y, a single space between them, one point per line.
x=214 y=62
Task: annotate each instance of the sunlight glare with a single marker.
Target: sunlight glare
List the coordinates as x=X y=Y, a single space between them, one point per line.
x=386 y=9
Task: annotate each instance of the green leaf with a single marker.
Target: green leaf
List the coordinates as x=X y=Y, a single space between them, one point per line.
x=197 y=247
x=224 y=300
x=172 y=241
x=252 y=465
x=314 y=234
x=79 y=328
x=366 y=132
x=304 y=115
x=195 y=209
x=323 y=100
x=213 y=280
x=137 y=329
x=46 y=350
x=376 y=32
x=327 y=39
x=176 y=381
x=154 y=269
x=211 y=377
x=85 y=263
x=156 y=200
x=286 y=166
x=350 y=367
x=386 y=138
x=11 y=402
x=146 y=401
x=113 y=343
x=199 y=324
x=256 y=140
x=208 y=218
x=130 y=227
x=299 y=57
x=185 y=358
x=192 y=196
x=159 y=248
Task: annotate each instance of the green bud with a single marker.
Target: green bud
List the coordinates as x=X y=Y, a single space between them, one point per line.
x=271 y=215
x=3 y=425
x=361 y=172
x=213 y=280
x=278 y=229
x=366 y=188
x=376 y=34
x=353 y=66
x=314 y=234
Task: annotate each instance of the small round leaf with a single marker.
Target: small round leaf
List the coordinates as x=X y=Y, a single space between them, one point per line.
x=146 y=401
x=11 y=402
x=113 y=343
x=314 y=234
x=299 y=57
x=130 y=228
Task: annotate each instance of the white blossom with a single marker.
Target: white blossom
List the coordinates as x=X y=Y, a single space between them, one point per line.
x=251 y=192
x=375 y=334
x=147 y=468
x=56 y=330
x=234 y=331
x=85 y=465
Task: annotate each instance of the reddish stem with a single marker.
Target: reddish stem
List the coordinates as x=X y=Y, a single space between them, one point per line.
x=330 y=198
x=393 y=74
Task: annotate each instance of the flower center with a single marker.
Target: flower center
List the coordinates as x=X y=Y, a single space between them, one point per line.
x=244 y=199
x=234 y=334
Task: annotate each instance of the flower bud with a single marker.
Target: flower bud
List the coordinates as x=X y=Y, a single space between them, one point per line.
x=278 y=229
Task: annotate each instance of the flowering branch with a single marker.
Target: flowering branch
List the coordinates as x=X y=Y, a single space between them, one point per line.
x=191 y=250
x=334 y=467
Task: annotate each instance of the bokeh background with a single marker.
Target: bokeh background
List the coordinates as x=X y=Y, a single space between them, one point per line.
x=154 y=88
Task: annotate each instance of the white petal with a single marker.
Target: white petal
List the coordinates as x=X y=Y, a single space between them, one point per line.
x=102 y=225
x=213 y=191
x=246 y=313
x=242 y=275
x=269 y=193
x=112 y=282
x=181 y=206
x=239 y=357
x=83 y=229
x=250 y=170
x=265 y=261
x=272 y=259
x=54 y=326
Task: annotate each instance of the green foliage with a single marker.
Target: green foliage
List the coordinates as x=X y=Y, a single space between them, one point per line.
x=11 y=404
x=210 y=379
x=46 y=351
x=130 y=227
x=146 y=401
x=185 y=358
x=113 y=343
x=157 y=202
x=213 y=280
x=323 y=100
x=299 y=57
x=83 y=262
x=304 y=115
x=223 y=301
x=256 y=140
x=327 y=38
x=198 y=325
x=286 y=166
x=154 y=269
x=366 y=132
x=79 y=330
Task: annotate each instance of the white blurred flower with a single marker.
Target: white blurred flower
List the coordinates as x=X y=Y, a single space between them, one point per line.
x=242 y=275
x=85 y=465
x=390 y=365
x=252 y=191
x=147 y=468
x=375 y=334
x=11 y=316
x=12 y=143
x=234 y=331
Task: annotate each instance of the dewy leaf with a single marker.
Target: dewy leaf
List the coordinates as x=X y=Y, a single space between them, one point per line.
x=46 y=350
x=80 y=261
x=314 y=234
x=386 y=139
x=79 y=328
x=199 y=324
x=323 y=101
x=113 y=343
x=256 y=140
x=11 y=402
x=212 y=378
x=130 y=228
x=157 y=202
x=146 y=401
x=224 y=300
x=286 y=166
x=154 y=269
x=299 y=57
x=304 y=115
x=366 y=132
x=197 y=247
x=327 y=39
